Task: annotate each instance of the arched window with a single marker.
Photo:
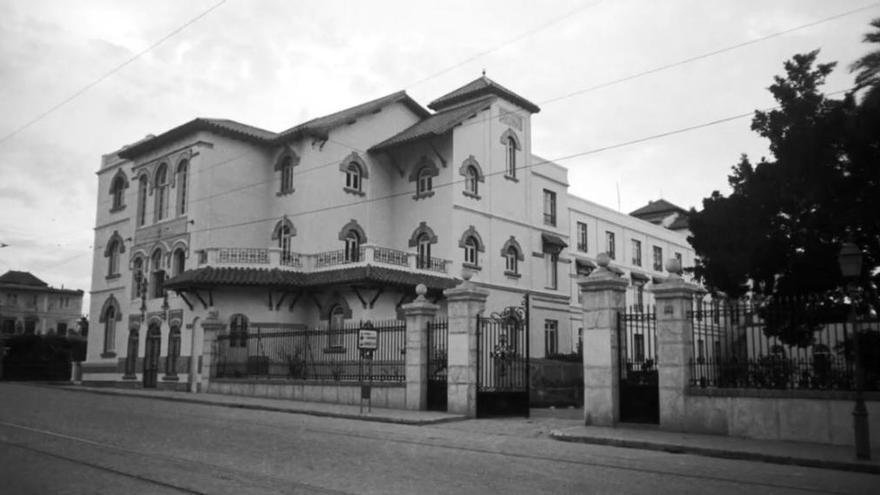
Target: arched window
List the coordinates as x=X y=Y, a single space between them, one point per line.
x=470 y=251
x=182 y=185
x=471 y=243
x=173 y=350
x=286 y=175
x=337 y=325
x=352 y=247
x=117 y=191
x=424 y=184
x=470 y=181
x=160 y=185
x=424 y=258
x=157 y=270
x=353 y=177
x=511 y=156
x=110 y=329
x=511 y=260
x=142 y=201
x=138 y=281
x=113 y=258
x=238 y=330
x=178 y=261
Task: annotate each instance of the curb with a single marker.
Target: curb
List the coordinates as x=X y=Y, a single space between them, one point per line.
x=719 y=453
x=259 y=407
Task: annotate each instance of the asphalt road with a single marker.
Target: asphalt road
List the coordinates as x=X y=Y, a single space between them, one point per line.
x=56 y=441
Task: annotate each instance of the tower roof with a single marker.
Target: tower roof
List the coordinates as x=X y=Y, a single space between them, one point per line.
x=477 y=88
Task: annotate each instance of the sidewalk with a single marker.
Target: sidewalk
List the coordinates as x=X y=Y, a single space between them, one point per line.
x=777 y=452
x=345 y=411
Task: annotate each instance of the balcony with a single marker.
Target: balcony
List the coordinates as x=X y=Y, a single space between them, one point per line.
x=310 y=263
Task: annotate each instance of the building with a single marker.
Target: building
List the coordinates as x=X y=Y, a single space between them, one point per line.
x=665 y=214
x=337 y=220
x=28 y=305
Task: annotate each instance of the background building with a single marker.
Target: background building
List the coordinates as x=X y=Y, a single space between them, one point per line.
x=29 y=305
x=336 y=220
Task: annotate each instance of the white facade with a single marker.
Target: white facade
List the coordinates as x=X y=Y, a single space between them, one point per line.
x=254 y=222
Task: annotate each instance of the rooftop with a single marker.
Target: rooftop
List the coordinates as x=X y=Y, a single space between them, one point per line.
x=482 y=86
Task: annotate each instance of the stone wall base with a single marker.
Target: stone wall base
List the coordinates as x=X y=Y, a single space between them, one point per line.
x=392 y=396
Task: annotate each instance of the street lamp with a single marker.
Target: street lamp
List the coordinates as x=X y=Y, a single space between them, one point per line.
x=850 y=260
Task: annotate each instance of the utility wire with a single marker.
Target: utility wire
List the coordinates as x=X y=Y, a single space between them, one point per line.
x=112 y=71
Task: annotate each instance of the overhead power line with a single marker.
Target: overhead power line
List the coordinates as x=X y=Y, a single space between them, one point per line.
x=109 y=73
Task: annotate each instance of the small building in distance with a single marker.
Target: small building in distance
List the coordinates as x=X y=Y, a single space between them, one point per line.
x=665 y=214
x=29 y=305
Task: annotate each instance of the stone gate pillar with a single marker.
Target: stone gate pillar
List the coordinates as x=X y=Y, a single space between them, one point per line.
x=211 y=326
x=419 y=314
x=675 y=344
x=604 y=296
x=464 y=303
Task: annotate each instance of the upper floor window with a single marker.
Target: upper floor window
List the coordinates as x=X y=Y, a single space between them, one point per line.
x=160 y=187
x=658 y=258
x=424 y=184
x=142 y=201
x=549 y=207
x=353 y=177
x=355 y=169
x=353 y=238
x=158 y=274
x=178 y=260
x=238 y=330
x=473 y=175
x=552 y=266
x=470 y=251
x=352 y=247
x=512 y=253
x=117 y=192
x=636 y=252
x=510 y=157
x=138 y=281
x=470 y=181
x=424 y=245
x=471 y=243
x=582 y=237
x=286 y=175
x=182 y=185
x=115 y=248
x=610 y=247
x=285 y=236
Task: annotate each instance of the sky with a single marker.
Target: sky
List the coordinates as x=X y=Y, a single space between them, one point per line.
x=82 y=79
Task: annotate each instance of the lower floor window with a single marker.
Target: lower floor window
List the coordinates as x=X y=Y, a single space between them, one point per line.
x=551 y=337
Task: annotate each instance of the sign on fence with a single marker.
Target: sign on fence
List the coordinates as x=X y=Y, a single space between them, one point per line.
x=368 y=340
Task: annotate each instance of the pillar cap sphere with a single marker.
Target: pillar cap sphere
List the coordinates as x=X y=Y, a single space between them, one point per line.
x=673 y=266
x=603 y=260
x=421 y=290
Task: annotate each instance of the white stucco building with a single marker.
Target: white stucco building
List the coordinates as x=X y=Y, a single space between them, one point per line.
x=339 y=218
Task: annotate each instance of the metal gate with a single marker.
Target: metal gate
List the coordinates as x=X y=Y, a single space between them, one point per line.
x=438 y=339
x=503 y=363
x=637 y=361
x=151 y=356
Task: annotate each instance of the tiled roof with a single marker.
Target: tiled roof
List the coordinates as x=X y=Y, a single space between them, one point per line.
x=659 y=206
x=681 y=222
x=321 y=125
x=480 y=87
x=263 y=277
x=435 y=125
x=21 y=278
x=316 y=127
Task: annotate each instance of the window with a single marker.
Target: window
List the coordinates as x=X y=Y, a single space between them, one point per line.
x=30 y=326
x=609 y=245
x=113 y=250
x=286 y=175
x=640 y=296
x=158 y=274
x=62 y=329
x=138 y=282
x=636 y=252
x=238 y=330
x=132 y=353
x=173 y=351
x=178 y=261
x=551 y=337
x=658 y=258
x=424 y=245
x=511 y=263
x=470 y=251
x=110 y=329
x=353 y=177
x=337 y=325
x=285 y=236
x=160 y=185
x=352 y=247
x=549 y=207
x=510 y=156
x=8 y=326
x=638 y=348
x=678 y=257
x=142 y=201
x=470 y=181
x=117 y=191
x=582 y=237
x=552 y=270
x=182 y=185
x=423 y=186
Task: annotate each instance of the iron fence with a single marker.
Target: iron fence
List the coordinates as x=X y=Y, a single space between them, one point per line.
x=791 y=344
x=268 y=351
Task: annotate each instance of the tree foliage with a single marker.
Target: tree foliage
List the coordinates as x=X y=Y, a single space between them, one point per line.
x=779 y=232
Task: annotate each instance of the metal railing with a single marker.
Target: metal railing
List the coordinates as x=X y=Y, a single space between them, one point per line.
x=247 y=256
x=266 y=351
x=339 y=257
x=390 y=256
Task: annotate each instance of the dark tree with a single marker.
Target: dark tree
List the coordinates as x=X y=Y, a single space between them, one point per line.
x=780 y=230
